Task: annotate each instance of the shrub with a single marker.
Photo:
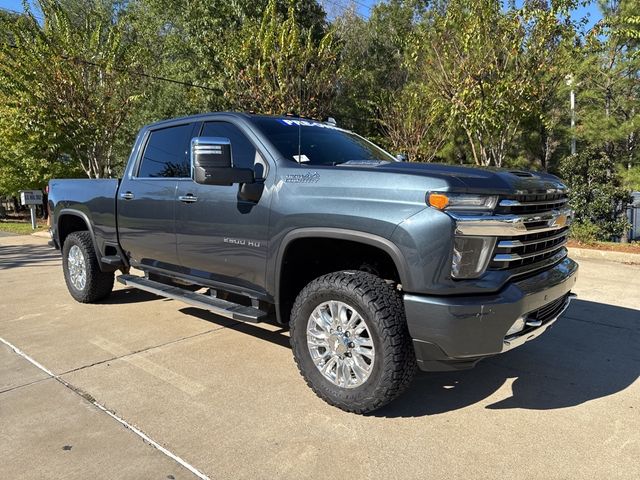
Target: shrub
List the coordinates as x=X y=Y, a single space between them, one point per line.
x=596 y=194
x=585 y=232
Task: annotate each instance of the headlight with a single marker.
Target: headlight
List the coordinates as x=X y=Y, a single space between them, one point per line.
x=461 y=201
x=471 y=256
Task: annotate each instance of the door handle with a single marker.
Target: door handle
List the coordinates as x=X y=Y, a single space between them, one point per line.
x=127 y=195
x=188 y=198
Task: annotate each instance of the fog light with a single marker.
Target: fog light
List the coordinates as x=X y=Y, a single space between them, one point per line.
x=518 y=326
x=471 y=256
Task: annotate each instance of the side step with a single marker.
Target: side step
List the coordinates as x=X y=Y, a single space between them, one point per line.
x=218 y=306
x=113 y=260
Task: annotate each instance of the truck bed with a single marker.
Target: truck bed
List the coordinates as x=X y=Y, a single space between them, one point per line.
x=95 y=199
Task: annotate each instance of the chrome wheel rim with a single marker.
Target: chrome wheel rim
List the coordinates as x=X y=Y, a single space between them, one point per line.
x=340 y=344
x=77 y=268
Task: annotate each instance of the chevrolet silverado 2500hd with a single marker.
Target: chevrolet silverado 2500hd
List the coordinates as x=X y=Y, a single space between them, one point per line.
x=377 y=265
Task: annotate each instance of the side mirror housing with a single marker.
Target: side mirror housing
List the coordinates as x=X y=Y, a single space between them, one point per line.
x=401 y=157
x=213 y=165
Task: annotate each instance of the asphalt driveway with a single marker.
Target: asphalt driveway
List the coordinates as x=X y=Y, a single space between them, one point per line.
x=142 y=387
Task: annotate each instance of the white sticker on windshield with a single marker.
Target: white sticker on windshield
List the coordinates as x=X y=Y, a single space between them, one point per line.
x=307 y=123
x=301 y=158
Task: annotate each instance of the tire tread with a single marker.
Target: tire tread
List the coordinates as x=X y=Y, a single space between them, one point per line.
x=99 y=284
x=385 y=306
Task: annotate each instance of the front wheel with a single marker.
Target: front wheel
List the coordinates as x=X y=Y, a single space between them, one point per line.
x=350 y=340
x=85 y=281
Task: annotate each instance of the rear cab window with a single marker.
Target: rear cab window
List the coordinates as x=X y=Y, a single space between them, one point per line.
x=166 y=153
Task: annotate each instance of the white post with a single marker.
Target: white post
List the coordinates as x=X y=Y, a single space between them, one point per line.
x=572 y=104
x=32 y=208
x=573 y=121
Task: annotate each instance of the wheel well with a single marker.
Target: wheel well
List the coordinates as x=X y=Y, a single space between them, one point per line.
x=308 y=258
x=69 y=224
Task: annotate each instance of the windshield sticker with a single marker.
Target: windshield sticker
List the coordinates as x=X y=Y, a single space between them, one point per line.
x=311 y=177
x=301 y=158
x=307 y=123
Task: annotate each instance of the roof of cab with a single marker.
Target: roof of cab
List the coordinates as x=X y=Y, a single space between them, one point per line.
x=204 y=116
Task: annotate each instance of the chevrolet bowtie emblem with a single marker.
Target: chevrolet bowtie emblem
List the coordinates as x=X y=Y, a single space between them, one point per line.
x=559 y=221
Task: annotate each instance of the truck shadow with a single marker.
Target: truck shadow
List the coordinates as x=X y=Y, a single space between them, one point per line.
x=15 y=256
x=129 y=295
x=592 y=352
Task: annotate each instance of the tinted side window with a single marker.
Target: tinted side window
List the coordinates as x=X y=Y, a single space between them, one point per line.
x=242 y=150
x=167 y=153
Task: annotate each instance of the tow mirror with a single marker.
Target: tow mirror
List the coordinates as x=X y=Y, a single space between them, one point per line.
x=213 y=165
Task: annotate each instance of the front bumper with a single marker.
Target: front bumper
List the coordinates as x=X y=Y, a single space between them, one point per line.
x=452 y=333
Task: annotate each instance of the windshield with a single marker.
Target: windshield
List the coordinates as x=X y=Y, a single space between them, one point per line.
x=320 y=143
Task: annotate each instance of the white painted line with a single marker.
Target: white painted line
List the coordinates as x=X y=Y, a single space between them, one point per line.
x=120 y=420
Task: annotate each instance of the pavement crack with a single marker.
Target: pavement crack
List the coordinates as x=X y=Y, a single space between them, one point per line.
x=11 y=389
x=89 y=398
x=146 y=349
x=599 y=323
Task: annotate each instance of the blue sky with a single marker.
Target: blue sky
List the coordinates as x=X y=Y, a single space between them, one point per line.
x=364 y=7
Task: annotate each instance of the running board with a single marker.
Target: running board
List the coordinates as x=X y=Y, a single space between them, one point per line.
x=216 y=305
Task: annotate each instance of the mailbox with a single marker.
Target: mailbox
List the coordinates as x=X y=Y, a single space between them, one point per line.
x=30 y=197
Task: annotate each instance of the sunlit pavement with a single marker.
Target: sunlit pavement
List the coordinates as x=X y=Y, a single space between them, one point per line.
x=226 y=400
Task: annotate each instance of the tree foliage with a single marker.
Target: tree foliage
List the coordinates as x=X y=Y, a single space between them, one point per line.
x=480 y=82
x=597 y=197
x=278 y=66
x=490 y=80
x=72 y=77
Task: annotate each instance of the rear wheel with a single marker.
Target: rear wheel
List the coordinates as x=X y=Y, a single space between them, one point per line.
x=85 y=281
x=350 y=340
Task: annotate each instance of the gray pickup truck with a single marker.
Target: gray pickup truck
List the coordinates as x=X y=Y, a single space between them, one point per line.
x=377 y=265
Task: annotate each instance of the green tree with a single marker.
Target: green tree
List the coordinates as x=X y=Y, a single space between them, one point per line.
x=609 y=83
x=373 y=70
x=596 y=195
x=489 y=79
x=76 y=77
x=277 y=66
x=413 y=125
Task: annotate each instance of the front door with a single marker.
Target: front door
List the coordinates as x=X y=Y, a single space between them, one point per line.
x=147 y=198
x=221 y=237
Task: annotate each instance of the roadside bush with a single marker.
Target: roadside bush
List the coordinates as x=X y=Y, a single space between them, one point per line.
x=584 y=232
x=596 y=195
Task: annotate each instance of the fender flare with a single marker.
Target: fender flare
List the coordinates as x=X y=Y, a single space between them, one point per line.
x=76 y=213
x=371 y=239
x=85 y=219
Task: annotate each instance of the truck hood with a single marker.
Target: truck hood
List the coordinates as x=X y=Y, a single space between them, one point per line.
x=469 y=179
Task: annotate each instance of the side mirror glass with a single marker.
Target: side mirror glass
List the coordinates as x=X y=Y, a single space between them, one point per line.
x=212 y=162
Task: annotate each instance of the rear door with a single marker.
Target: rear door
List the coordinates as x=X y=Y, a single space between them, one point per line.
x=147 y=196
x=220 y=236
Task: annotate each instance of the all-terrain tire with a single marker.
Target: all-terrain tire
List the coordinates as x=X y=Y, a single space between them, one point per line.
x=380 y=305
x=98 y=284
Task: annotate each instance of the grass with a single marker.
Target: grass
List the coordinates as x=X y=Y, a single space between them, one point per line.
x=20 y=228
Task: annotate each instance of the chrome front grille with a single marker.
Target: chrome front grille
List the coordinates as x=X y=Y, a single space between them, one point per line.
x=530 y=231
x=528 y=250
x=524 y=204
x=543 y=241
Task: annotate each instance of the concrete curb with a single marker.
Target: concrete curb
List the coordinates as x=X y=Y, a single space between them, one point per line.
x=620 y=257
x=42 y=235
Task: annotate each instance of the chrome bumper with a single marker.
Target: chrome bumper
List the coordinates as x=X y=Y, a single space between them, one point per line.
x=517 y=340
x=511 y=225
